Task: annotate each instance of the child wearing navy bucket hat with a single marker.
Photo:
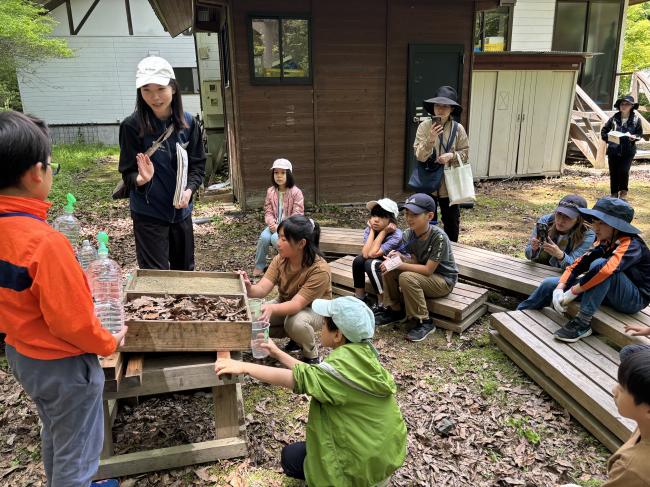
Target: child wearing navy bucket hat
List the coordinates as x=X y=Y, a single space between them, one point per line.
x=356 y=434
x=615 y=272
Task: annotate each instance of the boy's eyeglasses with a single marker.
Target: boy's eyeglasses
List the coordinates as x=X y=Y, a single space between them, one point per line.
x=56 y=168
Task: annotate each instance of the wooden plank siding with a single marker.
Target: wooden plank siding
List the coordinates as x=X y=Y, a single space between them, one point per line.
x=345 y=133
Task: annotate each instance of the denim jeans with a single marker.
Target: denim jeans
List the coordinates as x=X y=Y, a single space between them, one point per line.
x=618 y=291
x=266 y=238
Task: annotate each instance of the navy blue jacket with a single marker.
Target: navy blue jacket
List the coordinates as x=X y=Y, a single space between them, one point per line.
x=154 y=200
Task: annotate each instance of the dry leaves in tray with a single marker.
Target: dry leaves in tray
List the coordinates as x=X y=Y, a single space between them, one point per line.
x=186 y=308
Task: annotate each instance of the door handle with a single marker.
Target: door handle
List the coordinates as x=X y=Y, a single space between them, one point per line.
x=523 y=117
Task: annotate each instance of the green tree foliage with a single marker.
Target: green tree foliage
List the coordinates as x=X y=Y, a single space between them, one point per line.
x=636 y=52
x=25 y=30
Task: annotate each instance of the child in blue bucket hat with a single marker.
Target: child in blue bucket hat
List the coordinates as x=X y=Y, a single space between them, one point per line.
x=356 y=435
x=615 y=272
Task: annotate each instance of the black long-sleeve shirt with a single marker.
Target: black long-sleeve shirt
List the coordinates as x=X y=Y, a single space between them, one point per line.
x=627 y=147
x=155 y=199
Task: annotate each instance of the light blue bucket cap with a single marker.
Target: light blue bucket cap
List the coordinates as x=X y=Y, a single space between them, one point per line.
x=350 y=315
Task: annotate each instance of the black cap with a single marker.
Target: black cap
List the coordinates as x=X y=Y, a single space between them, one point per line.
x=569 y=205
x=419 y=203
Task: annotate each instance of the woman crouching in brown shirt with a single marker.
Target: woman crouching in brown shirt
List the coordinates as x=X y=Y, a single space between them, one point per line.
x=302 y=275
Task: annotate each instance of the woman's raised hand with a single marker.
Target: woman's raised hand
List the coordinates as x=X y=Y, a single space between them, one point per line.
x=535 y=244
x=436 y=130
x=247 y=281
x=145 y=169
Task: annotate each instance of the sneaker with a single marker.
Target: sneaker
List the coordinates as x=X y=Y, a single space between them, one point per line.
x=573 y=331
x=311 y=361
x=291 y=346
x=421 y=331
x=389 y=316
x=378 y=309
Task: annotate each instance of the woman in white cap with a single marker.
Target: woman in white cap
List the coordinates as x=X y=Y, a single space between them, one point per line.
x=380 y=237
x=283 y=199
x=162 y=162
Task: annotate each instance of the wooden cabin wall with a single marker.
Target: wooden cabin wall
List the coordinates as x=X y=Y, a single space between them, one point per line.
x=349 y=54
x=273 y=121
x=413 y=22
x=346 y=133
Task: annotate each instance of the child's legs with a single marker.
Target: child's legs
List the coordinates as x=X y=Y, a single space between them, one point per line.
x=181 y=245
x=68 y=395
x=542 y=296
x=300 y=328
x=276 y=329
x=618 y=291
x=263 y=243
x=391 y=289
x=417 y=287
x=151 y=243
x=293 y=458
x=359 y=275
x=372 y=268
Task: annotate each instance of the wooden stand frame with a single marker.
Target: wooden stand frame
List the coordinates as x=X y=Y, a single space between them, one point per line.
x=172 y=373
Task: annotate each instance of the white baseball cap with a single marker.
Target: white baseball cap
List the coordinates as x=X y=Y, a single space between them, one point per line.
x=386 y=203
x=153 y=69
x=282 y=164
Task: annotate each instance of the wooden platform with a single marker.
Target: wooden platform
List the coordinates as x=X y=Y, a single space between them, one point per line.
x=162 y=373
x=504 y=272
x=455 y=312
x=585 y=371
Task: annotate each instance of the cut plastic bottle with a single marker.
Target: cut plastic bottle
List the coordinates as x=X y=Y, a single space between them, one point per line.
x=105 y=279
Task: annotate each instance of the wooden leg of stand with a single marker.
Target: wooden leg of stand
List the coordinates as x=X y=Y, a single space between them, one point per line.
x=110 y=411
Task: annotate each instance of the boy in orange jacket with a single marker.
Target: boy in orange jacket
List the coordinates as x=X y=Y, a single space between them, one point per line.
x=53 y=336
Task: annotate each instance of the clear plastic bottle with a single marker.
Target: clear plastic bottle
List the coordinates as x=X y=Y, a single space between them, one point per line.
x=87 y=254
x=67 y=223
x=105 y=278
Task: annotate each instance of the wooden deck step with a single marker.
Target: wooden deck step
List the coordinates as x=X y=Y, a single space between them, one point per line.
x=504 y=272
x=456 y=311
x=585 y=370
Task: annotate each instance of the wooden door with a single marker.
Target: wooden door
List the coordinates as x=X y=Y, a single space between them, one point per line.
x=484 y=84
x=506 y=124
x=430 y=66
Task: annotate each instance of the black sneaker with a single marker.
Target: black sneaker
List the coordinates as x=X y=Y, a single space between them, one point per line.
x=378 y=309
x=311 y=361
x=421 y=331
x=291 y=346
x=389 y=316
x=573 y=331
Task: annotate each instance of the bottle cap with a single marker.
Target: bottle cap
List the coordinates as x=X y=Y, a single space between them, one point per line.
x=102 y=238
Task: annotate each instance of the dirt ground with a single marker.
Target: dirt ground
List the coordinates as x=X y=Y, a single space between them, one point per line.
x=506 y=431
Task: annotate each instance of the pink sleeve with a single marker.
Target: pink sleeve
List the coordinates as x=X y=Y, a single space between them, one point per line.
x=270 y=218
x=298 y=202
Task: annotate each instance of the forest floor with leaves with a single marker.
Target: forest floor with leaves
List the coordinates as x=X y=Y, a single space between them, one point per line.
x=506 y=430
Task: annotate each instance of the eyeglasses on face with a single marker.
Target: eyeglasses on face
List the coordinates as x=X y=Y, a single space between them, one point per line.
x=56 y=168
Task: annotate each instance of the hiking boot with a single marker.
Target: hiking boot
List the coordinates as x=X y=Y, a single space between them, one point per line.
x=389 y=316
x=310 y=361
x=573 y=331
x=623 y=195
x=291 y=346
x=421 y=331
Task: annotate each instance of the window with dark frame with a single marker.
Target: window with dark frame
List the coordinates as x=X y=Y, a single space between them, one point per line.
x=280 y=49
x=492 y=30
x=188 y=80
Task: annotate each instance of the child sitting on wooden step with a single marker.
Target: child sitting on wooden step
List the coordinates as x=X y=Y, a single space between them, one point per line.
x=427 y=270
x=283 y=199
x=356 y=435
x=615 y=272
x=380 y=238
x=53 y=336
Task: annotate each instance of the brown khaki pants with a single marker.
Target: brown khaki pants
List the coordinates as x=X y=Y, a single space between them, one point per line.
x=300 y=327
x=415 y=288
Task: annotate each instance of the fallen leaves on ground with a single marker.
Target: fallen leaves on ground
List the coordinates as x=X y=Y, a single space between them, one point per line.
x=186 y=308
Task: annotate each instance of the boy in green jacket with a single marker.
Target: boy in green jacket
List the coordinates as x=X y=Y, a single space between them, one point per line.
x=356 y=435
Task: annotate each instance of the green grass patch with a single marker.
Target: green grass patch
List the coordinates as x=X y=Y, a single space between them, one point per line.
x=524 y=428
x=88 y=171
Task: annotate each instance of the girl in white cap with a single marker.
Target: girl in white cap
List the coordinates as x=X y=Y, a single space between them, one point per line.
x=162 y=162
x=283 y=199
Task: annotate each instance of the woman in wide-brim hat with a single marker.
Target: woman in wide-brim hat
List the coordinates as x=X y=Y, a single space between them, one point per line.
x=440 y=144
x=616 y=272
x=621 y=154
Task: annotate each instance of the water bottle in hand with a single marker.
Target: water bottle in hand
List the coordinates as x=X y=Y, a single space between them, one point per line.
x=67 y=223
x=105 y=279
x=87 y=254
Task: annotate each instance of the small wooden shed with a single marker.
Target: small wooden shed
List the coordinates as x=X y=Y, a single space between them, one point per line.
x=345 y=107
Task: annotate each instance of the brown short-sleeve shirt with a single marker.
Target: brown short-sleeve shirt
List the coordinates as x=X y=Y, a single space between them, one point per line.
x=314 y=282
